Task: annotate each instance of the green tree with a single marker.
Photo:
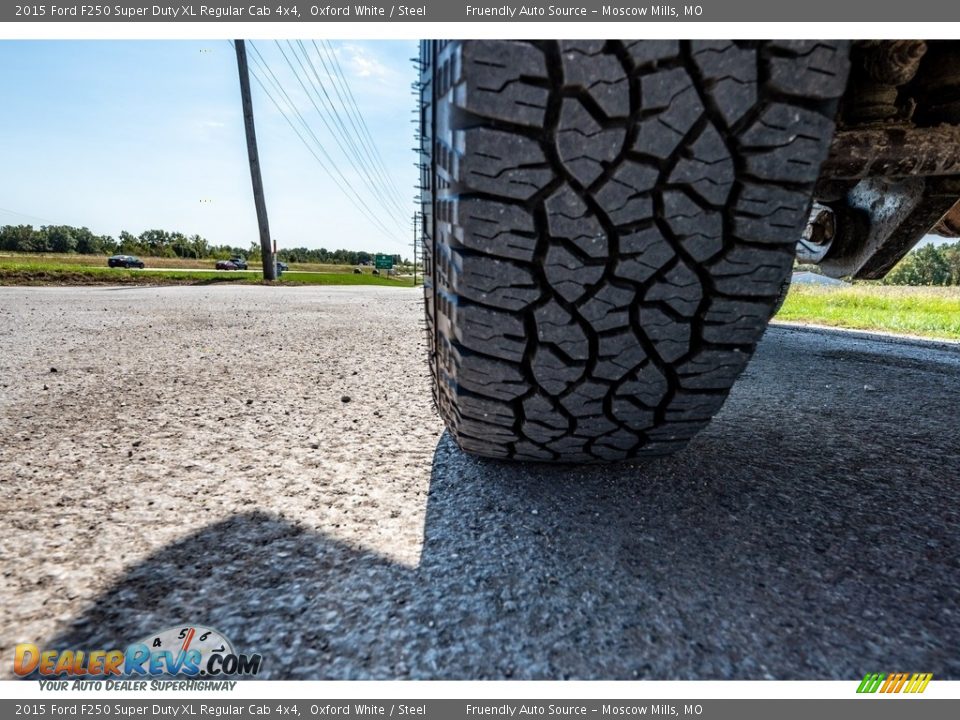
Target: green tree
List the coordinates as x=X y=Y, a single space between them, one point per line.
x=129 y=244
x=951 y=254
x=86 y=242
x=926 y=266
x=60 y=238
x=19 y=238
x=156 y=243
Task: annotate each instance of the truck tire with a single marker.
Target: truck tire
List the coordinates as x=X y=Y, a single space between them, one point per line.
x=782 y=295
x=607 y=225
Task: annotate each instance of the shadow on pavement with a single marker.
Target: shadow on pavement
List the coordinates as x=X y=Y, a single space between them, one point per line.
x=809 y=533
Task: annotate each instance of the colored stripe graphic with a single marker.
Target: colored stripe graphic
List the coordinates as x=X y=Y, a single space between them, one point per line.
x=919 y=682
x=870 y=683
x=894 y=683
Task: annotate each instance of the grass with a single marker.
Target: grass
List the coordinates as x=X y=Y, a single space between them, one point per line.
x=924 y=311
x=932 y=312
x=74 y=261
x=50 y=271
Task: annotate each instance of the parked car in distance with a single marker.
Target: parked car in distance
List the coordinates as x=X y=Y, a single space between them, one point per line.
x=125 y=261
x=282 y=266
x=234 y=263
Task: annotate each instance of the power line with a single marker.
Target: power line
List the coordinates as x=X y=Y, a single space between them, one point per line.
x=353 y=195
x=335 y=62
x=332 y=54
x=366 y=140
x=361 y=164
x=317 y=108
x=20 y=214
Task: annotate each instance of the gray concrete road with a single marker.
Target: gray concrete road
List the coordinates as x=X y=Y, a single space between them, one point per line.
x=192 y=458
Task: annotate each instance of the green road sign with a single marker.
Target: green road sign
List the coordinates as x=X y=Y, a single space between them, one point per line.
x=383 y=262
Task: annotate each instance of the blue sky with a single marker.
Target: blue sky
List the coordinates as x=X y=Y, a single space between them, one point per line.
x=149 y=134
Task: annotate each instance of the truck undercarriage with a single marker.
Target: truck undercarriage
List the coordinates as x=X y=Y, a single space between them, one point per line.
x=893 y=172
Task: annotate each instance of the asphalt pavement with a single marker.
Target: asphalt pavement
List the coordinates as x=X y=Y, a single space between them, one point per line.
x=266 y=461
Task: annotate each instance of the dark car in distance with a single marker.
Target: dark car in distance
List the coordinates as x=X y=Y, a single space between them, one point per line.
x=125 y=261
x=234 y=263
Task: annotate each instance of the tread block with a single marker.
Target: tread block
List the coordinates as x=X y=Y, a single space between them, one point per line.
x=492 y=85
x=540 y=432
x=709 y=169
x=569 y=217
x=626 y=195
x=615 y=445
x=711 y=370
x=770 y=214
x=753 y=272
x=489 y=432
x=608 y=308
x=496 y=228
x=542 y=421
x=645 y=52
x=671 y=337
x=492 y=378
x=584 y=146
x=571 y=449
x=686 y=406
x=809 y=68
x=672 y=91
x=699 y=230
x=525 y=450
x=679 y=288
x=586 y=398
x=484 y=448
x=494 y=332
x=585 y=65
x=491 y=281
x=648 y=386
x=731 y=76
x=552 y=372
x=559 y=328
x=567 y=274
x=503 y=163
x=642 y=254
x=487 y=411
x=618 y=354
x=735 y=322
x=594 y=427
x=631 y=415
x=787 y=144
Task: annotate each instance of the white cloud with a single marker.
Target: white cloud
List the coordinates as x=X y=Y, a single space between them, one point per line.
x=362 y=63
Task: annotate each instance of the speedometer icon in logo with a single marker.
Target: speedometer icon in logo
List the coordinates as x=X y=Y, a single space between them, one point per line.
x=179 y=641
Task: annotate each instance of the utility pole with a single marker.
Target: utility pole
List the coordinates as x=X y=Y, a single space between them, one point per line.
x=266 y=247
x=416 y=240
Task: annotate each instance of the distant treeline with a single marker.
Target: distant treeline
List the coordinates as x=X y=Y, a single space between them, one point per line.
x=930 y=265
x=156 y=243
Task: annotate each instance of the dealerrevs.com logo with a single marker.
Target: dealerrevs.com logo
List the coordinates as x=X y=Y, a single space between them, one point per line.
x=191 y=651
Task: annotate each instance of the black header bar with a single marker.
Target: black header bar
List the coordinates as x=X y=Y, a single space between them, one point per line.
x=446 y=11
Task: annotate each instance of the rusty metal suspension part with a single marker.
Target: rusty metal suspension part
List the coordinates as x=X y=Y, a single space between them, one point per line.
x=937 y=88
x=818 y=235
x=880 y=68
x=893 y=151
x=949 y=225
